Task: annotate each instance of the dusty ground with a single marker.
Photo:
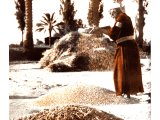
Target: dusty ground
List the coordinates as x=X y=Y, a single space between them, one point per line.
x=27 y=83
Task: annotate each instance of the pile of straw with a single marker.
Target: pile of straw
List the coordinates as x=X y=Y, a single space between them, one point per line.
x=78 y=52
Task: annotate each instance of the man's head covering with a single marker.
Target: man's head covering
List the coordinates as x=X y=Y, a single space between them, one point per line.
x=116 y=9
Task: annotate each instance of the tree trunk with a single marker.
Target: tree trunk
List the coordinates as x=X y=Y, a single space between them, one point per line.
x=22 y=38
x=140 y=23
x=50 y=38
x=28 y=37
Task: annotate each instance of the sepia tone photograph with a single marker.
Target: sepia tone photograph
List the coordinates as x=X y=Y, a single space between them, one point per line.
x=79 y=60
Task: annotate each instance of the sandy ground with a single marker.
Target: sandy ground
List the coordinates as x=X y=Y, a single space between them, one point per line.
x=27 y=82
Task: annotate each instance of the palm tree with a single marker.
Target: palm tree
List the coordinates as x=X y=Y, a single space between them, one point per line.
x=95 y=12
x=28 y=40
x=48 y=23
x=20 y=15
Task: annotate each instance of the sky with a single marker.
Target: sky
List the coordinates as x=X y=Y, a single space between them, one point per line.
x=49 y=6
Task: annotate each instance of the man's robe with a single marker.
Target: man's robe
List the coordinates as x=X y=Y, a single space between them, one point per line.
x=127 y=68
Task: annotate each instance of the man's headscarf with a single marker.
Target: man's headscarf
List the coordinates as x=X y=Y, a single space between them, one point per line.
x=116 y=9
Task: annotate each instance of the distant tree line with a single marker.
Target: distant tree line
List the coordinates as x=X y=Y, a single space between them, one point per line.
x=95 y=13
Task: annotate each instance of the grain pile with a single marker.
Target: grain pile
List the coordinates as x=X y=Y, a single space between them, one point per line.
x=71 y=112
x=81 y=94
x=78 y=52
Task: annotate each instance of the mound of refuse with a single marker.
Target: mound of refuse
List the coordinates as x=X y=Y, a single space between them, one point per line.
x=79 y=52
x=71 y=112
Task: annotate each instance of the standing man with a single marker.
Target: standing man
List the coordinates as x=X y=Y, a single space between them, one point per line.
x=127 y=68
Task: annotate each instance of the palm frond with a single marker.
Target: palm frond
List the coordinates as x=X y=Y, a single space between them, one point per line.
x=44 y=22
x=54 y=22
x=52 y=17
x=47 y=16
x=40 y=29
x=45 y=19
x=54 y=29
x=40 y=24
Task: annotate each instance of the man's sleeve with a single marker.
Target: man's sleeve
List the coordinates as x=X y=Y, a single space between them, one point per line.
x=115 y=31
